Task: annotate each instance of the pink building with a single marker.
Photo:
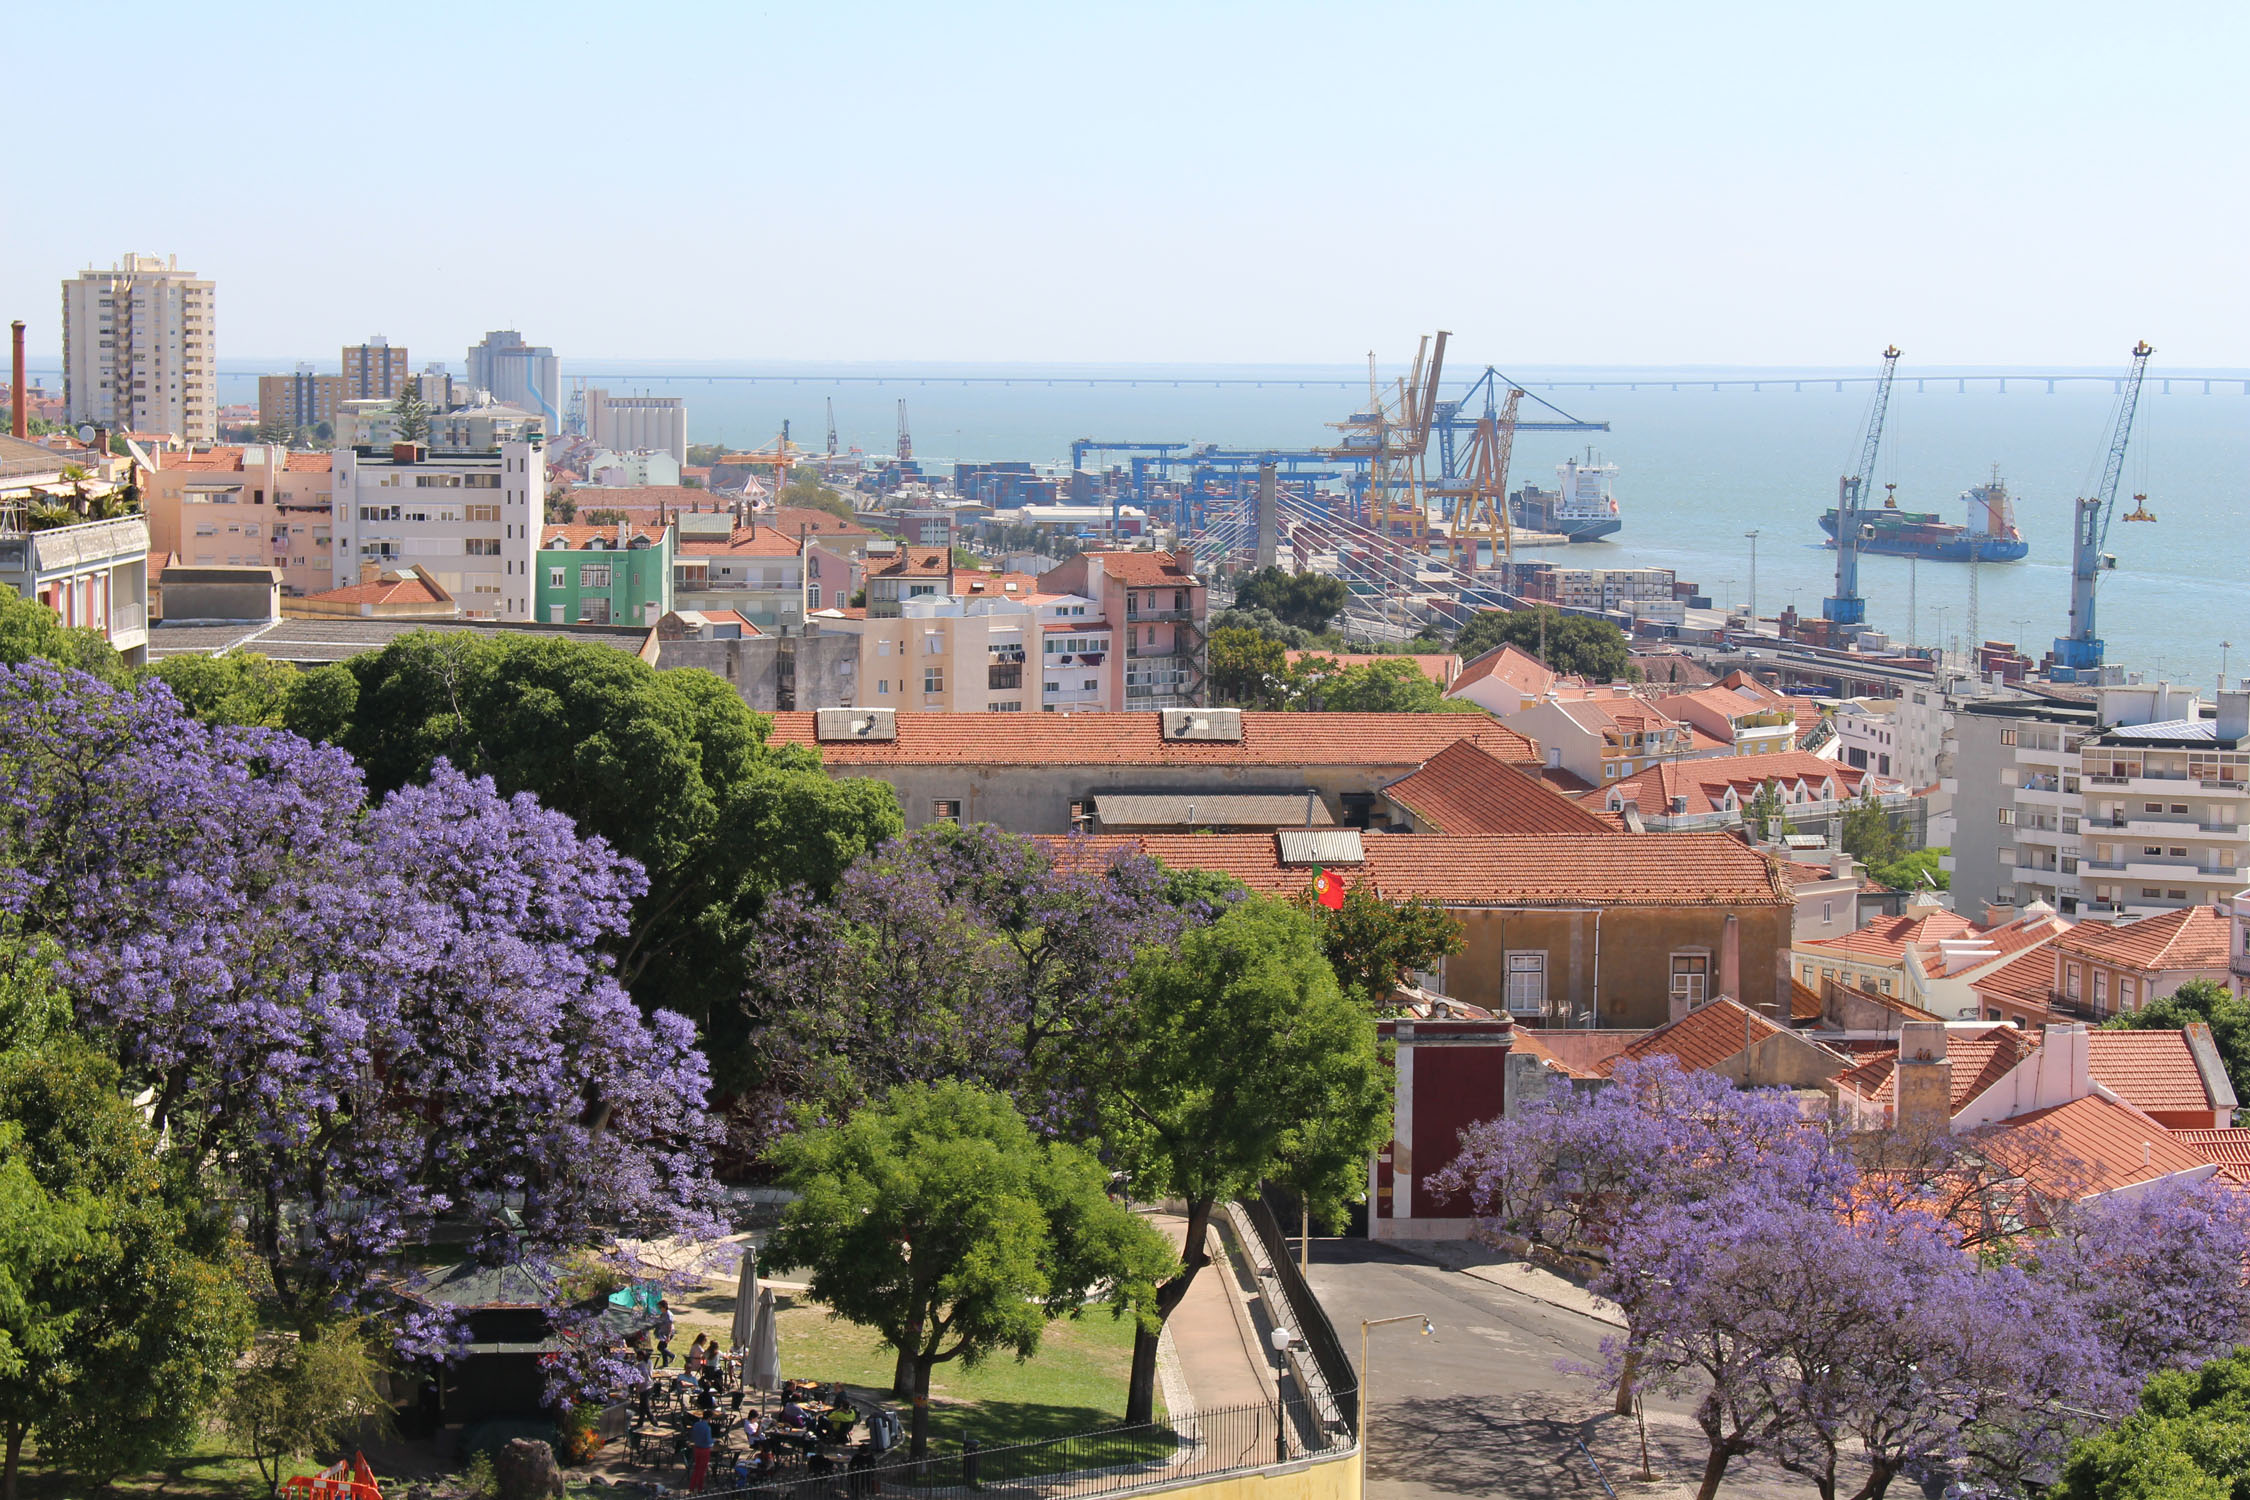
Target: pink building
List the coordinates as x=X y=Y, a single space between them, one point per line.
x=1160 y=611
x=254 y=506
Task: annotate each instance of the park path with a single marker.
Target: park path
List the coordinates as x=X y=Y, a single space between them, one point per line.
x=1212 y=1332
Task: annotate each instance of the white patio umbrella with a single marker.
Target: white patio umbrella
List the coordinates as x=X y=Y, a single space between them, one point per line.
x=745 y=1302
x=761 y=1371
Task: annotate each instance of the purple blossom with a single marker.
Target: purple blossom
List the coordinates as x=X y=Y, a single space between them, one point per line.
x=375 y=1016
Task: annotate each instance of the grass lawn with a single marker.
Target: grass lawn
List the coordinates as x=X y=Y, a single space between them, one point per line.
x=214 y=1469
x=1075 y=1382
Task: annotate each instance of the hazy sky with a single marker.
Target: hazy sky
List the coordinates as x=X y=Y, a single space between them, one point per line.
x=1561 y=183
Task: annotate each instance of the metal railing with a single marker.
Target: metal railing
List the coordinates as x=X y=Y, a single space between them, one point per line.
x=1106 y=1461
x=1305 y=1311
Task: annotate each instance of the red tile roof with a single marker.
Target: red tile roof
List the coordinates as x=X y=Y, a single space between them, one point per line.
x=2090 y=1145
x=1979 y=1060
x=914 y=562
x=576 y=538
x=1567 y=869
x=1466 y=789
x=1137 y=739
x=1703 y=1038
x=2194 y=937
x=2151 y=1070
x=2027 y=979
x=1136 y=570
x=1510 y=664
x=1885 y=939
x=308 y=463
x=392 y=588
x=2228 y=1148
x=793 y=518
x=763 y=542
x=1804 y=1002
x=1705 y=783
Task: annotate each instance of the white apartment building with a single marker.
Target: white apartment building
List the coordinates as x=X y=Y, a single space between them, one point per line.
x=472 y=519
x=624 y=423
x=971 y=653
x=140 y=349
x=518 y=374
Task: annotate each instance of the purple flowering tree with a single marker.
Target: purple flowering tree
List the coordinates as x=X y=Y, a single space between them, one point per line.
x=363 y=1018
x=955 y=953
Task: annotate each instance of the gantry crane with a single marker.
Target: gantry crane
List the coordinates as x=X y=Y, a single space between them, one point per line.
x=2078 y=655
x=1480 y=513
x=1846 y=607
x=831 y=426
x=1391 y=437
x=905 y=438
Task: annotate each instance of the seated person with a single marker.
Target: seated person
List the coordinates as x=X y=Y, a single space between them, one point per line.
x=793 y=1413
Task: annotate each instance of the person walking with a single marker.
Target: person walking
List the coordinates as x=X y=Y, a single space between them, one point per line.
x=664 y=1327
x=699 y=1444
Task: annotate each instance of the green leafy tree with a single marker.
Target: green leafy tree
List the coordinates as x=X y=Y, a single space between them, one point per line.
x=807 y=491
x=1764 y=814
x=241 y=687
x=1871 y=834
x=1244 y=1056
x=30 y=631
x=1576 y=645
x=304 y=1396
x=1265 y=623
x=121 y=1300
x=410 y=414
x=276 y=429
x=2210 y=1003
x=671 y=767
x=1375 y=945
x=1307 y=601
x=1918 y=871
x=2190 y=1440
x=703 y=455
x=1246 y=668
x=940 y=1221
x=1397 y=686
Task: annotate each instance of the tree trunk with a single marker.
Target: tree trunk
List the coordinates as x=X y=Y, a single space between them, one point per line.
x=1140 y=1394
x=1714 y=1470
x=902 y=1374
x=14 y=1459
x=919 y=1445
x=1625 y=1382
x=1878 y=1481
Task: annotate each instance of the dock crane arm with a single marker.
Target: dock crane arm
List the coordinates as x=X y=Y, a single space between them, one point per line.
x=2078 y=655
x=1846 y=607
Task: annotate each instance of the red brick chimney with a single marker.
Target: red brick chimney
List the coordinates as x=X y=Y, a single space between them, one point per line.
x=16 y=421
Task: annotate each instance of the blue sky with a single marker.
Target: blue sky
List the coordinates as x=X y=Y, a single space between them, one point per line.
x=1567 y=183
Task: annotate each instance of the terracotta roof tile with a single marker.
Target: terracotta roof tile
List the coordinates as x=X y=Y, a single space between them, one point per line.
x=1466 y=789
x=1136 y=739
x=2194 y=937
x=2090 y=1145
x=405 y=588
x=1886 y=939
x=1137 y=570
x=2228 y=1148
x=1512 y=665
x=1703 y=1038
x=790 y=518
x=1570 y=869
x=575 y=538
x=1805 y=1002
x=764 y=541
x=308 y=463
x=2149 y=1070
x=1705 y=783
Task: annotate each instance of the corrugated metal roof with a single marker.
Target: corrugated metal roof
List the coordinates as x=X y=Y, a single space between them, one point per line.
x=1207 y=809
x=1321 y=846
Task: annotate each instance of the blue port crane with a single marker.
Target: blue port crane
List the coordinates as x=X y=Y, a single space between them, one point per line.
x=2078 y=655
x=1453 y=418
x=1846 y=607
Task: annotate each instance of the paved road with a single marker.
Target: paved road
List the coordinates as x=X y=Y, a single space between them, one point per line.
x=1479 y=1407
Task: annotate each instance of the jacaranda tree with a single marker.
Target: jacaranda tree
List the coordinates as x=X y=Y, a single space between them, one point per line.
x=360 y=1017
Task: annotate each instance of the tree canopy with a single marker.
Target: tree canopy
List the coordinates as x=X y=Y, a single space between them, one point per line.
x=1575 y=645
x=2190 y=1440
x=939 y=1220
x=1240 y=1054
x=121 y=1303
x=670 y=768
x=30 y=631
x=1375 y=945
x=1305 y=601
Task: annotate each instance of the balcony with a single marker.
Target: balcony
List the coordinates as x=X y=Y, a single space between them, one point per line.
x=2148 y=867
x=1157 y=616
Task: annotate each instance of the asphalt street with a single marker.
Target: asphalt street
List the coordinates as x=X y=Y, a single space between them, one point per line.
x=1480 y=1407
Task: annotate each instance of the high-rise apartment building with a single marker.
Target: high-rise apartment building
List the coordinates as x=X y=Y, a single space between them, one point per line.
x=624 y=424
x=301 y=399
x=471 y=519
x=518 y=374
x=373 y=371
x=140 y=348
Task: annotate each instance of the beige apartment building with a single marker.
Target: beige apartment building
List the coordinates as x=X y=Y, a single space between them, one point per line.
x=254 y=506
x=1163 y=610
x=1000 y=653
x=374 y=371
x=140 y=349
x=2167 y=801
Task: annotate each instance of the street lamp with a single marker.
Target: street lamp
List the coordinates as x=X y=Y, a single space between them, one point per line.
x=1753 y=535
x=1364 y=1325
x=1283 y=1339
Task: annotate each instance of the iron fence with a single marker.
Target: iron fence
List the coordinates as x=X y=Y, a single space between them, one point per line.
x=1106 y=1461
x=1305 y=1311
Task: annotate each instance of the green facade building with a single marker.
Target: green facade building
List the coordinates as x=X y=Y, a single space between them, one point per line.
x=605 y=575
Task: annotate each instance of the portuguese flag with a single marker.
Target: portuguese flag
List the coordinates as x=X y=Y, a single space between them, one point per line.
x=1328 y=889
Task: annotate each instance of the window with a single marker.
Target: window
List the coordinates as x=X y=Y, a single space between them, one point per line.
x=593 y=575
x=554 y=614
x=1827 y=912
x=933 y=679
x=2175 y=895
x=1082 y=815
x=2070 y=824
x=484 y=546
x=1009 y=706
x=2071 y=982
x=812 y=597
x=2153 y=849
x=1527 y=984
x=555 y=577
x=2101 y=989
x=945 y=810
x=2007 y=736
x=593 y=609
x=2179 y=807
x=1002 y=678
x=2128 y=994
x=2177 y=853
x=1691 y=977
x=2008 y=817
x=484 y=512
x=883 y=686
x=933 y=644
x=883 y=647
x=2152 y=893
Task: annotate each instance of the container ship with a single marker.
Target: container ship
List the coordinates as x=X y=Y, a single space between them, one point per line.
x=1583 y=509
x=1990 y=536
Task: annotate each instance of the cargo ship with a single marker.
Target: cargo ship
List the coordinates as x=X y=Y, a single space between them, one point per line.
x=1990 y=535
x=1583 y=509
